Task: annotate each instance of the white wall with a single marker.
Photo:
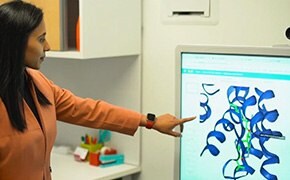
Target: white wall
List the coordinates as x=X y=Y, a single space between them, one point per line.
x=241 y=22
x=115 y=80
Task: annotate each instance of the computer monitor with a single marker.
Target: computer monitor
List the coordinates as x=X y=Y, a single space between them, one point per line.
x=241 y=97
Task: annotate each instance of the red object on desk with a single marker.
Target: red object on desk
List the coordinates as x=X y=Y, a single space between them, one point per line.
x=110 y=151
x=95 y=159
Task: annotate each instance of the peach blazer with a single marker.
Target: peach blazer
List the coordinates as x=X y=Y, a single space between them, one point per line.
x=27 y=155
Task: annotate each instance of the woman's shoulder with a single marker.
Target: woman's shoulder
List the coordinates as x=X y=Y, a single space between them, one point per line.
x=41 y=81
x=38 y=77
x=33 y=73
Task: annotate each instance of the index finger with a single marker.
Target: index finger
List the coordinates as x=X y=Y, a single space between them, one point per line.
x=188 y=119
x=185 y=120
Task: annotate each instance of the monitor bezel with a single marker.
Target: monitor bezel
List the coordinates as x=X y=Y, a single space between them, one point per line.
x=214 y=49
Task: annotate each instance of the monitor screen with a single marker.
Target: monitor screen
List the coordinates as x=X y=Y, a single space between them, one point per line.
x=241 y=98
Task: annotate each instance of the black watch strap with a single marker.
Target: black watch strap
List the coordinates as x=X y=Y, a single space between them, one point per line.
x=150 y=120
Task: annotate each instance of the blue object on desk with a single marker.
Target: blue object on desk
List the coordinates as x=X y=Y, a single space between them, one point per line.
x=111 y=160
x=104 y=136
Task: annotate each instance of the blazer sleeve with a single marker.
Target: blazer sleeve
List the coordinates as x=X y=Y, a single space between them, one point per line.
x=92 y=113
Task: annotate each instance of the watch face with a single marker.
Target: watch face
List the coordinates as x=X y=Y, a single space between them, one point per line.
x=151 y=117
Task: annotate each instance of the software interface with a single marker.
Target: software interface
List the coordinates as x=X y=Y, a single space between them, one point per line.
x=242 y=104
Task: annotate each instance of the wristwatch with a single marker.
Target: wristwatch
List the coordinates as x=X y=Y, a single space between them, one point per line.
x=151 y=118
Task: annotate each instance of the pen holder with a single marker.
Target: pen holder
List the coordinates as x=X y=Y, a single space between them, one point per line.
x=94 y=158
x=91 y=148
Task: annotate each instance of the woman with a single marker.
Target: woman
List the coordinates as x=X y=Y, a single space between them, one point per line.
x=30 y=104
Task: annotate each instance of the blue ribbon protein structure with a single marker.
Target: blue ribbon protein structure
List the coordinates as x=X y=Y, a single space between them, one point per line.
x=246 y=130
x=205 y=105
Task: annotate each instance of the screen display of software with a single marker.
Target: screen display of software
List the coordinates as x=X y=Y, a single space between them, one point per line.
x=242 y=104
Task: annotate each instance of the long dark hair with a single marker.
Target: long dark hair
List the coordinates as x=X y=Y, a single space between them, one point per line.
x=17 y=21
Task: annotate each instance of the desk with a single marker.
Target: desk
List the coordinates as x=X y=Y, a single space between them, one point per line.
x=65 y=167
